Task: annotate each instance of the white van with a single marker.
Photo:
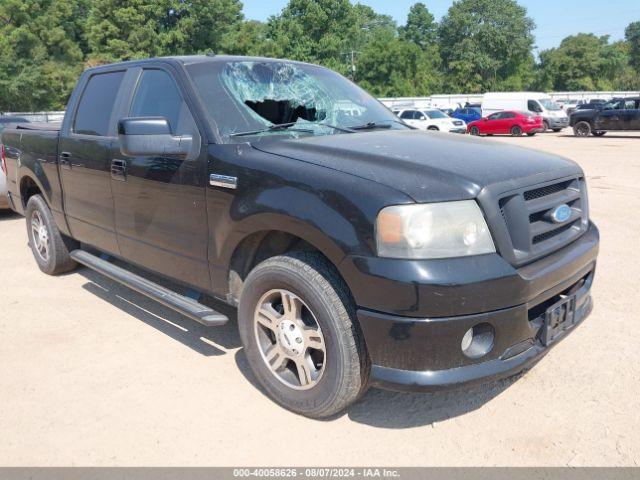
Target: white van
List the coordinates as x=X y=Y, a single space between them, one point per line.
x=539 y=103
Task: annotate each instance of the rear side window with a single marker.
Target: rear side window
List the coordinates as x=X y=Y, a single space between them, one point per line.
x=157 y=95
x=407 y=114
x=96 y=104
x=508 y=115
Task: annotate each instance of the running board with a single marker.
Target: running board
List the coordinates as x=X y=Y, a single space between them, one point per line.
x=184 y=305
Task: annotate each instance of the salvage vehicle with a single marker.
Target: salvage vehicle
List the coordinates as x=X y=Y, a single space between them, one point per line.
x=618 y=114
x=433 y=119
x=4 y=121
x=507 y=123
x=358 y=250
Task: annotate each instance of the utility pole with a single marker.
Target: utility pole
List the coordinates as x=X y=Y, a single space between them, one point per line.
x=352 y=55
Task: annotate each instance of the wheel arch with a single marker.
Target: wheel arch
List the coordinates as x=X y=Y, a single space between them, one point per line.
x=262 y=244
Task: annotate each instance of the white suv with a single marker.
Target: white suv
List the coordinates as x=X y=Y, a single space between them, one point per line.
x=432 y=119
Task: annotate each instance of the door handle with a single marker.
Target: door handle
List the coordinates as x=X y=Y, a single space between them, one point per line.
x=119 y=169
x=65 y=160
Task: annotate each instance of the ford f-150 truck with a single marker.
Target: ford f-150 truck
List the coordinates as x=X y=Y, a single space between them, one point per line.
x=358 y=250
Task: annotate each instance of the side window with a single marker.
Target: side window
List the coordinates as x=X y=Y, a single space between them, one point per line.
x=96 y=104
x=495 y=116
x=407 y=115
x=630 y=105
x=534 y=106
x=508 y=115
x=420 y=116
x=157 y=95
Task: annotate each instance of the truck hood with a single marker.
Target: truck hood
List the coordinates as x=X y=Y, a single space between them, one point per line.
x=426 y=166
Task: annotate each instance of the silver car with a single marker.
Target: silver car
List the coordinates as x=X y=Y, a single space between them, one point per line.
x=4 y=201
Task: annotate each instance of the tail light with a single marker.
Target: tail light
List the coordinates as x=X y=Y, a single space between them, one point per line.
x=3 y=159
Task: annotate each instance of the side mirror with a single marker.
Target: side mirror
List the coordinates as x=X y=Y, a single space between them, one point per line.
x=151 y=136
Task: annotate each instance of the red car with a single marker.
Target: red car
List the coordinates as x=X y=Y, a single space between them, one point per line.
x=508 y=122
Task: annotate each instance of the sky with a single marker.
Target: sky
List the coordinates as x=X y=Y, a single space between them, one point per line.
x=555 y=19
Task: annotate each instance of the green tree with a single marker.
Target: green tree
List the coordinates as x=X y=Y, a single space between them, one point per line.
x=391 y=67
x=421 y=27
x=632 y=37
x=581 y=62
x=41 y=46
x=486 y=45
x=126 y=29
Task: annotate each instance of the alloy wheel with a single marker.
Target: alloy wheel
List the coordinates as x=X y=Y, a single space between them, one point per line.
x=40 y=235
x=290 y=339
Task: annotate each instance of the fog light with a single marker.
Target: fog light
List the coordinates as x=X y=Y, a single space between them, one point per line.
x=478 y=340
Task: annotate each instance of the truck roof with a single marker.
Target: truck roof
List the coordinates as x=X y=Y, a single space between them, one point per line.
x=193 y=59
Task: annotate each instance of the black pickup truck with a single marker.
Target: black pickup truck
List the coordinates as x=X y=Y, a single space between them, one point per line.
x=358 y=250
x=617 y=114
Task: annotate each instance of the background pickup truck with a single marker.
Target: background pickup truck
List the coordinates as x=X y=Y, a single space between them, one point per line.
x=617 y=114
x=358 y=250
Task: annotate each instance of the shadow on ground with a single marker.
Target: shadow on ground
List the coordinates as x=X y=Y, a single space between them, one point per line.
x=8 y=215
x=190 y=333
x=378 y=408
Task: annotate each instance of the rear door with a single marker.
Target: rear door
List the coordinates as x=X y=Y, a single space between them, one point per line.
x=84 y=162
x=160 y=210
x=629 y=115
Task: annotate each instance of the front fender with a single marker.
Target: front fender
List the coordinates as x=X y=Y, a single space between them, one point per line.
x=333 y=211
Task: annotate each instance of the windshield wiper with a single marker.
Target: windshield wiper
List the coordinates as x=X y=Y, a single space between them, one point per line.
x=335 y=127
x=373 y=125
x=273 y=128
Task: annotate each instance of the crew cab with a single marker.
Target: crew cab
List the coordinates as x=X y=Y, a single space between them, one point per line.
x=617 y=114
x=358 y=250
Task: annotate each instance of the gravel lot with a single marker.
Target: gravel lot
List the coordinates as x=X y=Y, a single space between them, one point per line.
x=92 y=373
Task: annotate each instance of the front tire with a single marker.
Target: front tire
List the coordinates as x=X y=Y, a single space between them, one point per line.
x=545 y=124
x=300 y=333
x=50 y=249
x=474 y=131
x=582 y=129
x=433 y=129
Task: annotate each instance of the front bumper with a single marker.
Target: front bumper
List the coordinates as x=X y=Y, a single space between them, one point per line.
x=415 y=343
x=555 y=122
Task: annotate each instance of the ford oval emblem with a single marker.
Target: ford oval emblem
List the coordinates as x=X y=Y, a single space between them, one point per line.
x=561 y=213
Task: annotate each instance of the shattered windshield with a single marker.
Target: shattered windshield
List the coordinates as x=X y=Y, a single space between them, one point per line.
x=251 y=97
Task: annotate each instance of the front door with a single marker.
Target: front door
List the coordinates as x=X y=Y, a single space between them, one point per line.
x=84 y=163
x=160 y=210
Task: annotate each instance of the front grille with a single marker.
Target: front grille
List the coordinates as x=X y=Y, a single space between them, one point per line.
x=544 y=191
x=527 y=216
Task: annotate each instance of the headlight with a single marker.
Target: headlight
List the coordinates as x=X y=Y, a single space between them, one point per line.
x=433 y=230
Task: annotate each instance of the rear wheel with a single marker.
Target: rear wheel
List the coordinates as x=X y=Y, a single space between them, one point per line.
x=582 y=129
x=474 y=130
x=516 y=131
x=301 y=337
x=49 y=247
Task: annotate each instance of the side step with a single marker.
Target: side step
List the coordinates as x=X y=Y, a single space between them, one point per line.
x=184 y=305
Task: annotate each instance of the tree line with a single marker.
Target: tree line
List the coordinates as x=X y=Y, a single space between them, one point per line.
x=479 y=45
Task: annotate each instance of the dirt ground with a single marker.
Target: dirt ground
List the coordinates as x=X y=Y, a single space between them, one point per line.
x=92 y=373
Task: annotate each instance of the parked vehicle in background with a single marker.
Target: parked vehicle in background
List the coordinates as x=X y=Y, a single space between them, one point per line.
x=568 y=105
x=4 y=121
x=553 y=117
x=432 y=119
x=618 y=114
x=467 y=114
x=358 y=250
x=508 y=122
x=592 y=105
